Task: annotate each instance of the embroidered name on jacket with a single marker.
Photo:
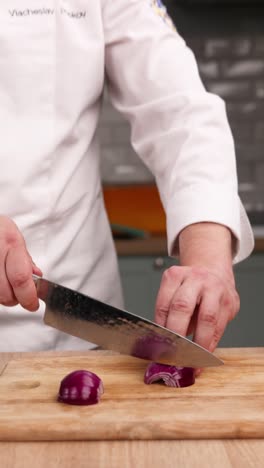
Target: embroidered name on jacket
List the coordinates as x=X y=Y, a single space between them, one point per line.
x=161 y=11
x=46 y=11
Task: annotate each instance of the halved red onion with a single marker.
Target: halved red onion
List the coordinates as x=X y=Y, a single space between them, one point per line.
x=172 y=376
x=81 y=387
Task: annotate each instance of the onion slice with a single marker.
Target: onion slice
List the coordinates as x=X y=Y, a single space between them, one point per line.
x=172 y=376
x=81 y=387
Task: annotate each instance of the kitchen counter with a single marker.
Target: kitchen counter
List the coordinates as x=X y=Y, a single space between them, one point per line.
x=131 y=454
x=158 y=245
x=236 y=453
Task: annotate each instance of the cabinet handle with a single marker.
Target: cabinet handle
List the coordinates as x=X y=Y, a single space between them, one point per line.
x=159 y=263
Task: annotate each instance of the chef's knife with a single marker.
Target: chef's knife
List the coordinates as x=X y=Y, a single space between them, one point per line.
x=117 y=330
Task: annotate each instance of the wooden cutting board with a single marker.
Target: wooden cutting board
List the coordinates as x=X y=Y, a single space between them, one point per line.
x=225 y=402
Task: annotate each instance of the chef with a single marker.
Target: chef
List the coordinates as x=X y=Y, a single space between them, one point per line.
x=56 y=57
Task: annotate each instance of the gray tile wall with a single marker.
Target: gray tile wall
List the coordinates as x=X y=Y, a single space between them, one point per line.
x=233 y=68
x=230 y=55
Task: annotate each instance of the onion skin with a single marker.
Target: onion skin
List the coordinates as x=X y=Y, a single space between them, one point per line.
x=172 y=376
x=80 y=387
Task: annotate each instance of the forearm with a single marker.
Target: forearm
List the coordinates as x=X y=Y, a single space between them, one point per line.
x=206 y=245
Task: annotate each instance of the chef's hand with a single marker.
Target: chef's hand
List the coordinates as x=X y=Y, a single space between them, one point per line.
x=199 y=297
x=16 y=268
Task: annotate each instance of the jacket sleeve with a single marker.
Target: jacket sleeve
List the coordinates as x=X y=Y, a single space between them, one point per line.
x=179 y=130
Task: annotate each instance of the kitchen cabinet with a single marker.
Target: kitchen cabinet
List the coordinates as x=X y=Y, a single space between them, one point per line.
x=141 y=276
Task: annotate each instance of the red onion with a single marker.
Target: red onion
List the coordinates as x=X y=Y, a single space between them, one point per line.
x=81 y=387
x=172 y=376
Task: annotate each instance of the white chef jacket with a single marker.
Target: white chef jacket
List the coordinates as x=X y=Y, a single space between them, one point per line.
x=54 y=58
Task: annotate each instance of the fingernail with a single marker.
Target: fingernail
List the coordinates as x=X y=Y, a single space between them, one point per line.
x=197 y=372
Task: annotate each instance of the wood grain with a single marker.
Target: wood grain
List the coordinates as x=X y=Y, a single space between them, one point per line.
x=225 y=402
x=131 y=454
x=128 y=454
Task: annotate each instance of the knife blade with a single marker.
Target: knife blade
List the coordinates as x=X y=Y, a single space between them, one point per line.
x=117 y=330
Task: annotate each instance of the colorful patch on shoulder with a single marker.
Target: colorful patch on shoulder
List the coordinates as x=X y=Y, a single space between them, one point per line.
x=161 y=11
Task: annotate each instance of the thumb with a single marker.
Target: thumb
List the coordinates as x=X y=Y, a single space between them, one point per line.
x=35 y=269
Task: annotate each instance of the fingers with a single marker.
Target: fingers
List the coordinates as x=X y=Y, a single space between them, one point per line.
x=19 y=269
x=183 y=305
x=7 y=297
x=229 y=307
x=193 y=322
x=219 y=330
x=179 y=294
x=197 y=301
x=211 y=323
x=16 y=268
x=36 y=270
x=171 y=280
